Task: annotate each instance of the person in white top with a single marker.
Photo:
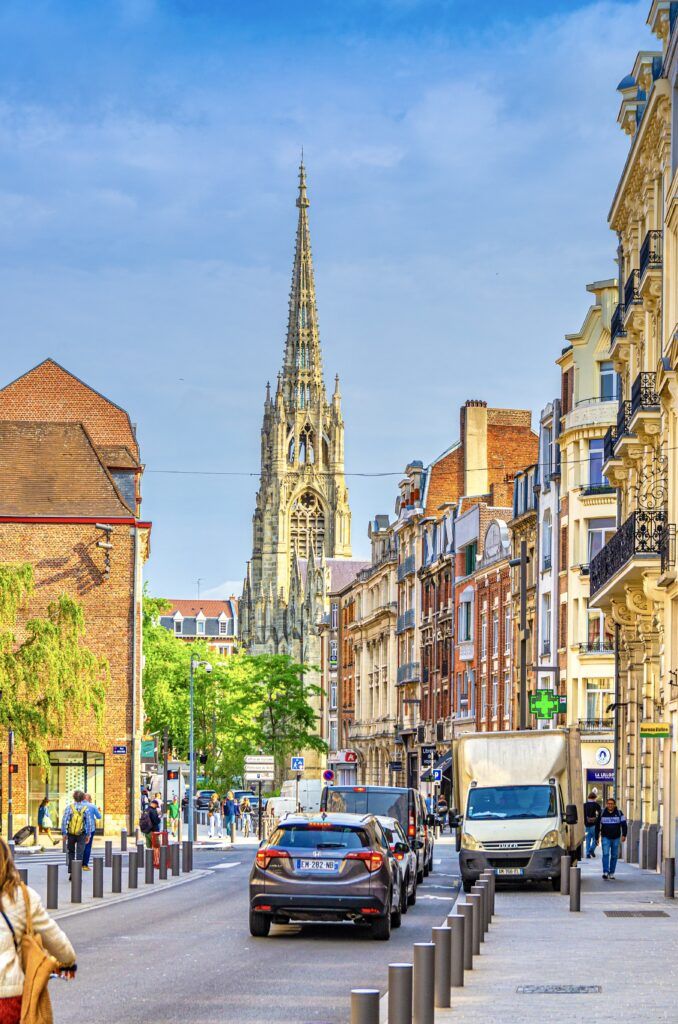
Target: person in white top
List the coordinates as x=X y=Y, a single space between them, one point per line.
x=12 y=929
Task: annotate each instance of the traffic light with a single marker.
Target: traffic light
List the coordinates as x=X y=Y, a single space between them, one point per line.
x=172 y=774
x=203 y=759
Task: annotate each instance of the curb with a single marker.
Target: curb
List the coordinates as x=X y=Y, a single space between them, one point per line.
x=126 y=897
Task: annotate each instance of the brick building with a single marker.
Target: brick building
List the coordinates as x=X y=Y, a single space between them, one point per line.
x=70 y=475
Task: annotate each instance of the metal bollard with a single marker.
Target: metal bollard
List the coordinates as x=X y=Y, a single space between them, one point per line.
x=123 y=840
x=175 y=858
x=400 y=994
x=484 y=888
x=76 y=881
x=23 y=875
x=492 y=879
x=52 y=887
x=466 y=911
x=149 y=869
x=442 y=957
x=565 y=863
x=116 y=874
x=670 y=877
x=364 y=1006
x=475 y=899
x=423 y=981
x=575 y=888
x=98 y=877
x=108 y=853
x=455 y=922
x=141 y=855
x=133 y=870
x=162 y=873
x=187 y=855
x=479 y=890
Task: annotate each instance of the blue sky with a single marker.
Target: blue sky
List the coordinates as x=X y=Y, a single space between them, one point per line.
x=461 y=161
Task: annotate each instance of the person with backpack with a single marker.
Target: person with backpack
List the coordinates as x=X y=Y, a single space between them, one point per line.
x=77 y=825
x=23 y=916
x=96 y=816
x=613 y=831
x=592 y=823
x=149 y=822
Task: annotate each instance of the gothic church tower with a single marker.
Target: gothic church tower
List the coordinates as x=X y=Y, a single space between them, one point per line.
x=302 y=517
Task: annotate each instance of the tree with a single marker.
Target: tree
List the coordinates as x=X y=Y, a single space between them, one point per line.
x=48 y=677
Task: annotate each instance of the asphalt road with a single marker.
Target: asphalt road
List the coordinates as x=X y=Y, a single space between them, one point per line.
x=185 y=956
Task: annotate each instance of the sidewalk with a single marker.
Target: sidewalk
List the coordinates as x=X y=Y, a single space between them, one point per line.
x=535 y=940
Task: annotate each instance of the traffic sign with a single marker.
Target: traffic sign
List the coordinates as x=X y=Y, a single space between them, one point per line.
x=547 y=704
x=654 y=730
x=297 y=764
x=121 y=748
x=258 y=759
x=328 y=775
x=437 y=775
x=254 y=776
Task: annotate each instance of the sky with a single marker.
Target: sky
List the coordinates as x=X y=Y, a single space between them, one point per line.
x=461 y=161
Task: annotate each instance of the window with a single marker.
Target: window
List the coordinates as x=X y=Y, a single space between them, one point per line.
x=599 y=696
x=507 y=627
x=507 y=693
x=333 y=695
x=546 y=541
x=600 y=532
x=546 y=624
x=596 y=478
x=470 y=552
x=608 y=382
x=177 y=626
x=200 y=627
x=333 y=736
x=495 y=694
x=598 y=638
x=495 y=632
x=307 y=526
x=334 y=621
x=333 y=653
x=546 y=455
x=223 y=627
x=483 y=634
x=465 y=621
x=483 y=697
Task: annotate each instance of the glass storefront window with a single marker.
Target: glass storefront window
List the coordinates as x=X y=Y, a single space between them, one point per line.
x=69 y=770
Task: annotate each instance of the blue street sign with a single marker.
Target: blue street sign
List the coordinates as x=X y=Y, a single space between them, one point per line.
x=437 y=775
x=120 y=749
x=297 y=764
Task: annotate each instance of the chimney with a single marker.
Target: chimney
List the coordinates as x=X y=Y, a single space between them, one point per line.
x=474 y=440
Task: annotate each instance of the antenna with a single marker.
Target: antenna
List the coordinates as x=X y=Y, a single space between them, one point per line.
x=199 y=581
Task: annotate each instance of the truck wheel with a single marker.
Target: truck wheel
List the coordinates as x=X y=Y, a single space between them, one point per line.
x=260 y=924
x=555 y=883
x=466 y=884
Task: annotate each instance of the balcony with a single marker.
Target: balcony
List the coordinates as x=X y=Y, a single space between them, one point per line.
x=632 y=296
x=651 y=253
x=405 y=621
x=410 y=672
x=596 y=724
x=617 y=323
x=636 y=547
x=623 y=433
x=667 y=548
x=609 y=442
x=644 y=413
x=597 y=647
x=405 y=568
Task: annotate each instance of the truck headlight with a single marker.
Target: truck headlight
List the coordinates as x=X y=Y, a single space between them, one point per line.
x=468 y=842
x=551 y=838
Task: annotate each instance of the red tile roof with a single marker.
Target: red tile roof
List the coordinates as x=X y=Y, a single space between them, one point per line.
x=210 y=609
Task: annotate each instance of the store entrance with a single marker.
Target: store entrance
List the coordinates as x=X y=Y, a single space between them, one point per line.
x=68 y=770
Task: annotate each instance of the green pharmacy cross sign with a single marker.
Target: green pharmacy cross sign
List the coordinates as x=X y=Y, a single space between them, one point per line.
x=547 y=704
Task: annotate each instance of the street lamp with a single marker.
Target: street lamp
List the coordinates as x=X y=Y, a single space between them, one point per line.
x=191 y=745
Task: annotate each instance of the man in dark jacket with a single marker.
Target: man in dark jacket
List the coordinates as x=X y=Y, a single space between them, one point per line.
x=613 y=830
x=592 y=823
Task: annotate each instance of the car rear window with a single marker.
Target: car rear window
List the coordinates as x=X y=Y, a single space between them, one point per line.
x=304 y=837
x=384 y=803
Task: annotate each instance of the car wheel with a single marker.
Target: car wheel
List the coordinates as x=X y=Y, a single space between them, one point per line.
x=466 y=884
x=260 y=924
x=397 y=916
x=555 y=883
x=404 y=904
x=420 y=876
x=412 y=898
x=381 y=928
x=426 y=869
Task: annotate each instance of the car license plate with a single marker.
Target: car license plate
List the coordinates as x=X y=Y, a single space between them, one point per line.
x=509 y=871
x=317 y=865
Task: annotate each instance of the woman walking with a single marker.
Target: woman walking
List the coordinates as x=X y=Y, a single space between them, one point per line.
x=246 y=812
x=45 y=820
x=17 y=904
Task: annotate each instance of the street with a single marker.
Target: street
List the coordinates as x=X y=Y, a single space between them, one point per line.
x=187 y=955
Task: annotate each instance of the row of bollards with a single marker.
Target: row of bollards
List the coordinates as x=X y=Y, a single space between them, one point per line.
x=416 y=989
x=173 y=858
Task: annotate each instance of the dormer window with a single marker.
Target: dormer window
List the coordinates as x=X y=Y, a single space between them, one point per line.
x=200 y=627
x=223 y=627
x=177 y=627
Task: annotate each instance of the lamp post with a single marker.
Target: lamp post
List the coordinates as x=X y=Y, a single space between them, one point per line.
x=191 y=744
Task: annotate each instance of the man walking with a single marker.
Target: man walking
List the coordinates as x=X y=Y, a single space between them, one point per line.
x=613 y=830
x=94 y=811
x=592 y=823
x=77 y=825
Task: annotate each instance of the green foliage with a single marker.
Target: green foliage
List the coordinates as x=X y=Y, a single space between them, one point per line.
x=244 y=705
x=48 y=678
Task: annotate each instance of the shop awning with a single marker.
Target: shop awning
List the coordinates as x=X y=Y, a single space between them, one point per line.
x=443 y=761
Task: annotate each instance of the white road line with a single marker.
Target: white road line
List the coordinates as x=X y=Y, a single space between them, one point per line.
x=222 y=867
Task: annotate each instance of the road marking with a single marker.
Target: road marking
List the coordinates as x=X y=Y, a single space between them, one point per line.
x=192 y=877
x=437 y=862
x=446 y=899
x=221 y=867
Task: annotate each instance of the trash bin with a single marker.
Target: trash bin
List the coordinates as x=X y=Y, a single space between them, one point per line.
x=158 y=839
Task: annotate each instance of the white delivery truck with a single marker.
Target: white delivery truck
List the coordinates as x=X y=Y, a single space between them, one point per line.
x=309 y=793
x=518 y=799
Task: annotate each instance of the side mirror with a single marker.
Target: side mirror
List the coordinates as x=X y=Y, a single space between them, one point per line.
x=571 y=814
x=455 y=820
x=418 y=844
x=402 y=848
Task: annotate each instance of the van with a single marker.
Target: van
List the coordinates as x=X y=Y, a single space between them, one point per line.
x=404 y=804
x=308 y=791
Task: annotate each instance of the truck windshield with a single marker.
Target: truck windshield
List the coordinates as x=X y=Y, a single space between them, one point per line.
x=500 y=803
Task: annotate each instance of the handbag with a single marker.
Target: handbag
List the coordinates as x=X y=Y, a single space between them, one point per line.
x=38 y=965
x=47 y=821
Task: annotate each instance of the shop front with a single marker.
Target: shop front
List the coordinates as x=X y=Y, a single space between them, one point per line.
x=68 y=770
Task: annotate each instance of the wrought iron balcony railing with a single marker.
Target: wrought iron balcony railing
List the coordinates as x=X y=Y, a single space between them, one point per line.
x=409 y=672
x=596 y=724
x=644 y=392
x=609 y=442
x=617 y=322
x=667 y=547
x=597 y=647
x=651 y=252
x=623 y=420
x=405 y=621
x=406 y=568
x=641 y=534
x=632 y=296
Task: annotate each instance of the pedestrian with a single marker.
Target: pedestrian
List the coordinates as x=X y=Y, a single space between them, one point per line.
x=96 y=816
x=145 y=800
x=214 y=815
x=158 y=799
x=77 y=825
x=592 y=823
x=442 y=812
x=46 y=821
x=149 y=822
x=174 y=815
x=246 y=813
x=613 y=832
x=229 y=814
x=16 y=902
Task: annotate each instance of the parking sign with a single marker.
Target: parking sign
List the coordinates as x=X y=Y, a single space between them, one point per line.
x=437 y=775
x=297 y=764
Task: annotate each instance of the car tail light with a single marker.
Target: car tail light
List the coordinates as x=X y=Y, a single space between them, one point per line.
x=359 y=789
x=264 y=857
x=411 y=830
x=264 y=906
x=400 y=856
x=371 y=859
x=368 y=910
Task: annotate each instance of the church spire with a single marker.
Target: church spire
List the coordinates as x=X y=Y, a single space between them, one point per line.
x=302 y=370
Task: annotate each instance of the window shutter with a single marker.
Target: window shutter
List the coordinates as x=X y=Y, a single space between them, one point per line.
x=563 y=548
x=562 y=640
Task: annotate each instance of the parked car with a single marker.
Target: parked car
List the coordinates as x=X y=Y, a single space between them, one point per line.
x=405 y=858
x=400 y=802
x=203 y=797
x=325 y=867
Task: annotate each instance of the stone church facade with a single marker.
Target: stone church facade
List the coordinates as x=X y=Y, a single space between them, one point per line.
x=302 y=521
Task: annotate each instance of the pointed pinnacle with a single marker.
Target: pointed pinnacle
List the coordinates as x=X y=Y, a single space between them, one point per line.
x=302 y=199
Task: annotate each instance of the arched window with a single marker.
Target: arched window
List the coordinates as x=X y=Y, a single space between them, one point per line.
x=290 y=451
x=306 y=443
x=307 y=525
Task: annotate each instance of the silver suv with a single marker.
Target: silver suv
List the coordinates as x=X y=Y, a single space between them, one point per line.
x=325 y=867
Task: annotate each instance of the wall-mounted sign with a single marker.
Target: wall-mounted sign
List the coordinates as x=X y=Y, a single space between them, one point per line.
x=121 y=748
x=603 y=756
x=427 y=754
x=600 y=775
x=395 y=766
x=547 y=704
x=146 y=750
x=345 y=757
x=655 y=730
